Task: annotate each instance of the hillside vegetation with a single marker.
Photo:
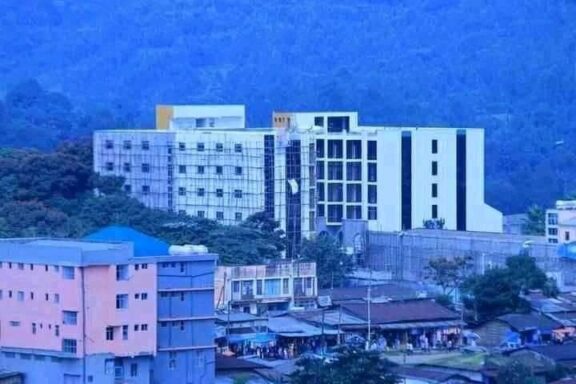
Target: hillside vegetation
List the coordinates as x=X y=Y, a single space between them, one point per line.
x=508 y=66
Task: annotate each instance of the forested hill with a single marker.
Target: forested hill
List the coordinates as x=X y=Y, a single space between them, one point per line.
x=506 y=65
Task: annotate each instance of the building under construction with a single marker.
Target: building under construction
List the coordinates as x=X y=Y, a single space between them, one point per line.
x=202 y=161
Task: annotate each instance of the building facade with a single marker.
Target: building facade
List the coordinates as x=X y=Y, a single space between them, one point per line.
x=396 y=178
x=91 y=312
x=561 y=222
x=201 y=160
x=259 y=288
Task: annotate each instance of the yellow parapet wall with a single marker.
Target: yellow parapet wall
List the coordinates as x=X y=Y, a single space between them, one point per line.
x=164 y=114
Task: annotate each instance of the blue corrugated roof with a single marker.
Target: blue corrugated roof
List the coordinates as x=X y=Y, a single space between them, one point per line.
x=144 y=245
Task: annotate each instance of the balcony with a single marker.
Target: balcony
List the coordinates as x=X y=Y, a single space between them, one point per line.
x=279 y=270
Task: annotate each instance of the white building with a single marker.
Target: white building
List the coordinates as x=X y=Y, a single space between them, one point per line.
x=201 y=160
x=561 y=222
x=396 y=178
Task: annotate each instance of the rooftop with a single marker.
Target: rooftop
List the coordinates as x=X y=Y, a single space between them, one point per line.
x=389 y=291
x=528 y=321
x=144 y=245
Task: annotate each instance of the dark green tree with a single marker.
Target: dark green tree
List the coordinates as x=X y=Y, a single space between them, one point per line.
x=350 y=366
x=516 y=373
x=534 y=223
x=332 y=264
x=448 y=273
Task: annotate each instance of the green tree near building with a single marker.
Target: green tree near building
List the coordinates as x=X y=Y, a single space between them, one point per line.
x=332 y=264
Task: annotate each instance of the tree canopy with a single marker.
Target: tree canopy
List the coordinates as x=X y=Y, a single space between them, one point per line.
x=499 y=290
x=52 y=194
x=332 y=264
x=350 y=366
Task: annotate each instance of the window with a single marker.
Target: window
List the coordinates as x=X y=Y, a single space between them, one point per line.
x=181 y=191
x=127 y=144
x=136 y=296
x=434 y=146
x=319 y=121
x=109 y=144
x=200 y=192
x=372 y=172
x=68 y=273
x=320 y=210
x=145 y=145
x=335 y=149
x=136 y=327
x=285 y=286
x=238 y=216
x=145 y=167
x=235 y=286
x=434 y=168
x=10 y=294
x=238 y=148
x=56 y=298
x=238 y=193
x=127 y=167
x=553 y=231
x=124 y=332
x=31 y=295
x=144 y=327
x=219 y=147
x=320 y=170
x=321 y=190
x=335 y=192
x=354 y=212
x=354 y=171
x=1 y=294
x=434 y=211
x=121 y=301
x=552 y=219
x=144 y=266
x=553 y=241
x=145 y=189
x=219 y=170
x=320 y=148
x=20 y=266
x=127 y=188
x=14 y=323
x=372 y=213
x=372 y=194
x=20 y=296
x=219 y=215
x=109 y=166
x=69 y=345
x=238 y=171
x=354 y=193
x=219 y=192
x=201 y=214
x=121 y=272
x=172 y=360
x=334 y=170
x=182 y=169
x=200 y=170
x=338 y=123
x=372 y=150
x=69 y=317
x=109 y=333
x=181 y=146
x=133 y=369
x=57 y=330
x=335 y=213
x=567 y=236
x=200 y=147
x=144 y=296
x=259 y=287
x=354 y=149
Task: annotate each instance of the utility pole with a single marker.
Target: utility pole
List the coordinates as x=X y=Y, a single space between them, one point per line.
x=369 y=337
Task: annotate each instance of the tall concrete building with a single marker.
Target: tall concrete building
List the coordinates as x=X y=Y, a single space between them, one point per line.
x=561 y=222
x=77 y=312
x=201 y=160
x=397 y=178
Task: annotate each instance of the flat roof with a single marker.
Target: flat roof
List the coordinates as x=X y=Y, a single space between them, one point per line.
x=77 y=244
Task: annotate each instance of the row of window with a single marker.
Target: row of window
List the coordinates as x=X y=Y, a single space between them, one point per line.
x=353 y=149
x=271 y=287
x=111 y=332
x=20 y=296
x=123 y=270
x=353 y=171
x=36 y=326
x=219 y=215
x=67 y=272
x=145 y=145
x=335 y=193
x=200 y=192
x=182 y=169
x=336 y=212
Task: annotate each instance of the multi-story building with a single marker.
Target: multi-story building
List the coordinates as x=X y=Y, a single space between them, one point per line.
x=201 y=160
x=397 y=178
x=258 y=288
x=561 y=222
x=92 y=312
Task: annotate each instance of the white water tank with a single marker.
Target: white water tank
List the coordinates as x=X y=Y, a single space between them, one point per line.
x=187 y=249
